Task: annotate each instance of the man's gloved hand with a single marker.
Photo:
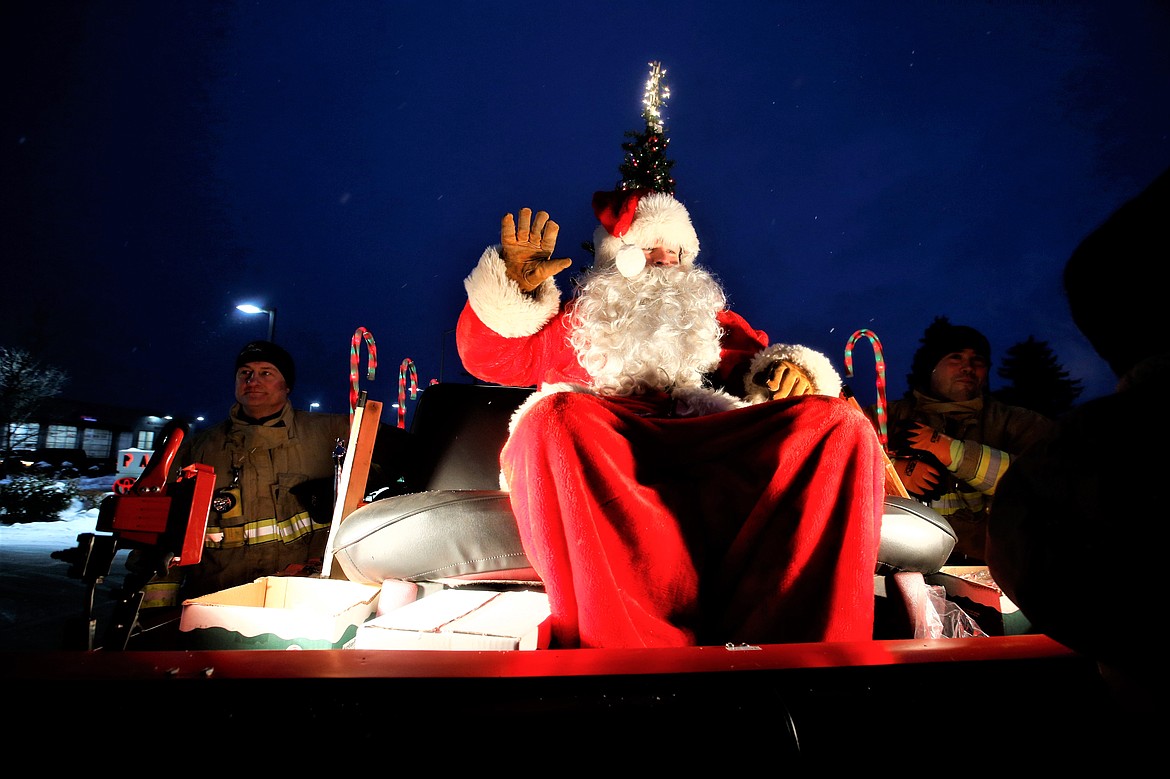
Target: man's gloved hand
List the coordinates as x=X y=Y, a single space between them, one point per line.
x=527 y=248
x=784 y=379
x=316 y=496
x=919 y=477
x=925 y=439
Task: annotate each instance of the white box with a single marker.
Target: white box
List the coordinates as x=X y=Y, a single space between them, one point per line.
x=462 y=619
x=278 y=612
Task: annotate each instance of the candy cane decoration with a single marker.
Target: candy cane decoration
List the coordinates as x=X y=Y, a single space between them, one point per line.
x=371 y=360
x=880 y=362
x=407 y=366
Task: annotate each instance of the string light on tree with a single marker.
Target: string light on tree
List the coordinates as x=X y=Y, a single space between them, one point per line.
x=645 y=165
x=654 y=98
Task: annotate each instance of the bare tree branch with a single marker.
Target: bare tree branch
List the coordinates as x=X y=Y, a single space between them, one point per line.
x=25 y=381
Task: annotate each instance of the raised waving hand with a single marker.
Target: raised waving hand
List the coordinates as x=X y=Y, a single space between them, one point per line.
x=527 y=245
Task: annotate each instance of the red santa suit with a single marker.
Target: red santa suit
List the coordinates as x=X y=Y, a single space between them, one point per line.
x=679 y=515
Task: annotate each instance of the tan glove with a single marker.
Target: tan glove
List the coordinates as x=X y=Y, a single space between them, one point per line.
x=925 y=439
x=784 y=379
x=527 y=249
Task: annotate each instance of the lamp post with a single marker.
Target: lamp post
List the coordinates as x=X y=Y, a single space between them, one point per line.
x=314 y=406
x=248 y=308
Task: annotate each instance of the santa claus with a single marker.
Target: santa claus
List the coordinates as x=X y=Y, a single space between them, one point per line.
x=677 y=479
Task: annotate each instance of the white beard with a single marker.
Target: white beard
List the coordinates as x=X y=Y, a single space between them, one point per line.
x=657 y=330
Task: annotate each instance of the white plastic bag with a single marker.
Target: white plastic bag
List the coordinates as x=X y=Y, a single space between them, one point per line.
x=945 y=619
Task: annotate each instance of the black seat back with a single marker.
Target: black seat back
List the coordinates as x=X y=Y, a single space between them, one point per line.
x=459 y=430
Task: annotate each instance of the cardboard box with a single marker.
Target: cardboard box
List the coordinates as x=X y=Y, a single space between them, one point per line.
x=278 y=612
x=462 y=619
x=973 y=589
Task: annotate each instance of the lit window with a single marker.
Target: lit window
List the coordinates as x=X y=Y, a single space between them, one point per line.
x=61 y=437
x=23 y=436
x=96 y=443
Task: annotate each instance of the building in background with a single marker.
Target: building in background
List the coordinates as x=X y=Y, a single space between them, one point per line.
x=89 y=436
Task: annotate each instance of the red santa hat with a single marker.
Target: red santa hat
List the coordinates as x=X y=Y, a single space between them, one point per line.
x=633 y=220
x=641 y=212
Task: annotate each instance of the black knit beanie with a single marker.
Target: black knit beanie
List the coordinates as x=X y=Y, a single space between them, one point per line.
x=940 y=339
x=266 y=351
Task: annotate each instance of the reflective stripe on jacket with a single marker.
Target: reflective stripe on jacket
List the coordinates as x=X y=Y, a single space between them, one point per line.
x=261 y=531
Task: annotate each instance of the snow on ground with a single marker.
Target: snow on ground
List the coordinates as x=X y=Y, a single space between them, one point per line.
x=41 y=604
x=59 y=534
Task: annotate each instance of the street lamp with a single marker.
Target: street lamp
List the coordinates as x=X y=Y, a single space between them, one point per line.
x=314 y=406
x=248 y=308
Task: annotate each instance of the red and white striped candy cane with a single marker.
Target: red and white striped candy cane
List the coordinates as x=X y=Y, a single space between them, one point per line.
x=880 y=362
x=371 y=360
x=407 y=366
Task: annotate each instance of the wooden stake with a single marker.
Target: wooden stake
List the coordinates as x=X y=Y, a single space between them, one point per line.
x=355 y=472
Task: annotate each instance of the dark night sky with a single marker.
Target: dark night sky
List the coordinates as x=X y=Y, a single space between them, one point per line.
x=847 y=165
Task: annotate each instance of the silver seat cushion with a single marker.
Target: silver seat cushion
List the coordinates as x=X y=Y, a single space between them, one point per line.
x=472 y=535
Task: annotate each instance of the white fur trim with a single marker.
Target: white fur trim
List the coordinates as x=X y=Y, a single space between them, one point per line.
x=542 y=392
x=547 y=389
x=825 y=379
x=500 y=304
x=690 y=402
x=699 y=402
x=659 y=218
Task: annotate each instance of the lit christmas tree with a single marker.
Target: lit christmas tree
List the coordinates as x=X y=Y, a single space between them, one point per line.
x=645 y=165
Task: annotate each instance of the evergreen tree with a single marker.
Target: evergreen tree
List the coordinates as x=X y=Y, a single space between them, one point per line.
x=645 y=165
x=1036 y=380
